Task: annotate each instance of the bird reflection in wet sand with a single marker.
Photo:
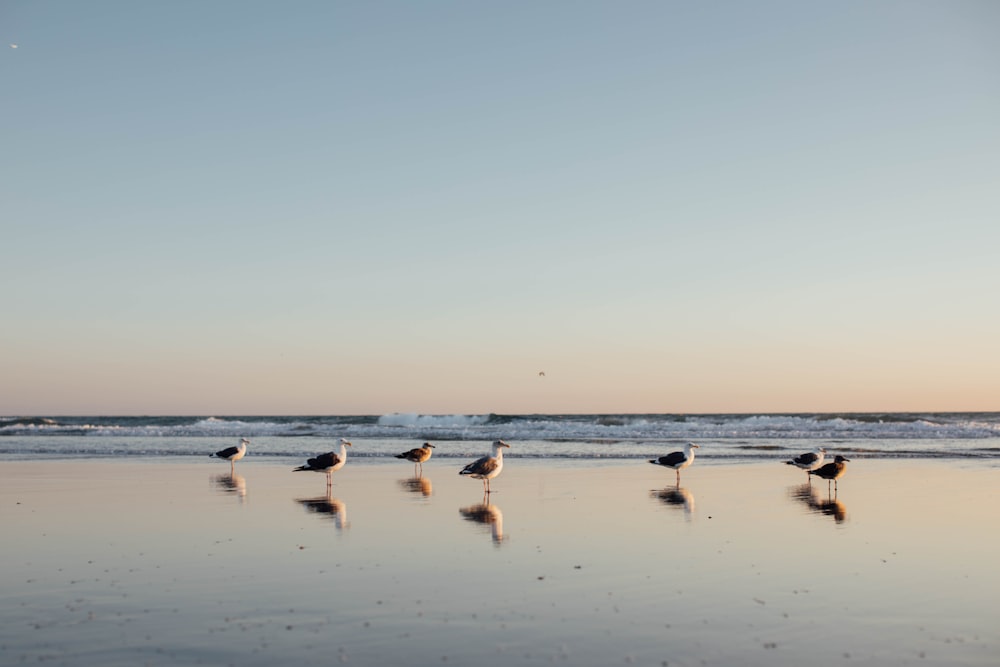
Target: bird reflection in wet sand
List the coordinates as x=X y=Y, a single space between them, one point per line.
x=487 y=514
x=805 y=494
x=421 y=485
x=231 y=483
x=327 y=507
x=676 y=496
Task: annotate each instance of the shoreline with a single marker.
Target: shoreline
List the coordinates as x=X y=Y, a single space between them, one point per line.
x=592 y=563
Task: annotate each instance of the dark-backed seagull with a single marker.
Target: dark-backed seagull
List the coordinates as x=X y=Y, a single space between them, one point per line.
x=232 y=454
x=677 y=460
x=832 y=471
x=487 y=467
x=808 y=461
x=329 y=463
x=418 y=455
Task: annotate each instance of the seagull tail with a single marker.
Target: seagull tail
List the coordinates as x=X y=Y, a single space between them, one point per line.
x=300 y=468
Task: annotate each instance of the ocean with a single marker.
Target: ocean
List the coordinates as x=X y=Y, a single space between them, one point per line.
x=722 y=437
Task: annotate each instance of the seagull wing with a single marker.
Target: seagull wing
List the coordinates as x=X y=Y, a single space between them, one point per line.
x=829 y=470
x=672 y=459
x=480 y=466
x=807 y=459
x=323 y=461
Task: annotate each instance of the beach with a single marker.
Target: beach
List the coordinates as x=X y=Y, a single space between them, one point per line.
x=177 y=562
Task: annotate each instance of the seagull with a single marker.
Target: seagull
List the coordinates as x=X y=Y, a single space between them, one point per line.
x=232 y=454
x=832 y=471
x=418 y=455
x=487 y=467
x=677 y=460
x=808 y=461
x=328 y=463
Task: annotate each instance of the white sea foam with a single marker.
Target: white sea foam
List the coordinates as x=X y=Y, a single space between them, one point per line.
x=413 y=420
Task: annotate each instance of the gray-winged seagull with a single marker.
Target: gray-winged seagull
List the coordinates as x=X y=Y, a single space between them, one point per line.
x=488 y=466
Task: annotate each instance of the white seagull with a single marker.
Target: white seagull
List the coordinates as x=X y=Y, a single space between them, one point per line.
x=808 y=461
x=329 y=463
x=832 y=471
x=677 y=460
x=418 y=455
x=487 y=467
x=232 y=454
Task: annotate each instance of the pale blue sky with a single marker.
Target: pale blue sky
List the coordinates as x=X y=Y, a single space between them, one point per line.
x=329 y=207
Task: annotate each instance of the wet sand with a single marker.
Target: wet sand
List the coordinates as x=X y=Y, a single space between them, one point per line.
x=176 y=563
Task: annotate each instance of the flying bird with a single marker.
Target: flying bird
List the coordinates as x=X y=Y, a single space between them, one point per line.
x=677 y=460
x=487 y=467
x=832 y=471
x=808 y=461
x=232 y=454
x=329 y=463
x=418 y=455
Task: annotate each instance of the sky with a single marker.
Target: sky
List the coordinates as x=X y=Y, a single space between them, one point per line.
x=238 y=208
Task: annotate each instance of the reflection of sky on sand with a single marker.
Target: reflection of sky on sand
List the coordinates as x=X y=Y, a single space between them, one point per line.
x=810 y=497
x=594 y=576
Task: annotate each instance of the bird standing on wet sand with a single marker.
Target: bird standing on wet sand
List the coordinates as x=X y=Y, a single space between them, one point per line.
x=232 y=454
x=832 y=471
x=677 y=460
x=329 y=463
x=487 y=467
x=808 y=461
x=418 y=455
